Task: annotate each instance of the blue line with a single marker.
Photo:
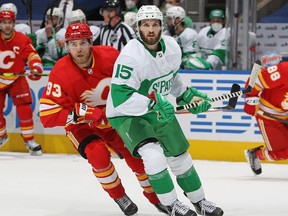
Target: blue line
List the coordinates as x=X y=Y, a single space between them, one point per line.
x=221 y=88
x=246 y=117
x=204 y=88
x=201 y=116
x=233 y=124
x=230 y=81
x=227 y=117
x=201 y=130
x=200 y=123
x=230 y=131
x=202 y=80
x=238 y=110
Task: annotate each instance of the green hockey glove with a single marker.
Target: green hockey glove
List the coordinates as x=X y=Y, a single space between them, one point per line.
x=164 y=109
x=196 y=63
x=192 y=94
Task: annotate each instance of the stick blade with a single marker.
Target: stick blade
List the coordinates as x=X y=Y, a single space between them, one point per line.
x=233 y=101
x=254 y=73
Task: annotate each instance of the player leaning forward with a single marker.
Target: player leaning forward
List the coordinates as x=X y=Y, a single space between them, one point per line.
x=17 y=51
x=75 y=98
x=144 y=73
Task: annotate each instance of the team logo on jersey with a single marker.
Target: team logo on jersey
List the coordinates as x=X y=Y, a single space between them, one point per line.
x=7 y=59
x=89 y=71
x=98 y=95
x=284 y=103
x=113 y=38
x=163 y=85
x=160 y=54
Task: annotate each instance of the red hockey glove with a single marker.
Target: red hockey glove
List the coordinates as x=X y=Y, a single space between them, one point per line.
x=91 y=115
x=35 y=70
x=163 y=107
x=251 y=105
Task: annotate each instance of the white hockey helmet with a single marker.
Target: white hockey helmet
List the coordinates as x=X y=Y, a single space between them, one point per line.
x=77 y=16
x=130 y=18
x=176 y=12
x=148 y=12
x=58 y=12
x=10 y=7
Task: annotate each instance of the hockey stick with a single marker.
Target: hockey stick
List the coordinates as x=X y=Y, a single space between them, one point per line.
x=28 y=5
x=23 y=74
x=254 y=73
x=229 y=107
x=53 y=32
x=272 y=116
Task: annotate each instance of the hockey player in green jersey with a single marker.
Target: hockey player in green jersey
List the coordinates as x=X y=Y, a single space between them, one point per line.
x=145 y=73
x=185 y=37
x=211 y=40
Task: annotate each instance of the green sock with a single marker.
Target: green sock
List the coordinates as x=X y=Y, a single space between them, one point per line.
x=161 y=182
x=189 y=181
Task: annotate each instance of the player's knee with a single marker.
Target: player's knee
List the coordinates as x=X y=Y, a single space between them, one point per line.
x=153 y=158
x=97 y=154
x=180 y=164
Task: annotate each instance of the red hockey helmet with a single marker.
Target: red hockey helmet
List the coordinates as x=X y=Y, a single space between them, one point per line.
x=78 y=31
x=7 y=15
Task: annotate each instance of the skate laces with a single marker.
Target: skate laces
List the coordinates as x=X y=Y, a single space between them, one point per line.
x=207 y=206
x=180 y=208
x=124 y=202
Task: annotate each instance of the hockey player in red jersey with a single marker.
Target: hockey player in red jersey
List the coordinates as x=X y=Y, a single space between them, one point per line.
x=17 y=51
x=75 y=98
x=269 y=97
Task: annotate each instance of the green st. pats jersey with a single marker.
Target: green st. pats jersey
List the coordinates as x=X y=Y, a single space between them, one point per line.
x=139 y=71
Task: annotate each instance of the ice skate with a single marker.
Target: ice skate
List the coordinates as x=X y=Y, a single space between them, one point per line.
x=179 y=209
x=4 y=140
x=33 y=147
x=207 y=208
x=127 y=205
x=253 y=161
x=161 y=208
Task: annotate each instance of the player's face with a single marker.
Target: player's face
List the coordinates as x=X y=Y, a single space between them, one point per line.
x=7 y=27
x=150 y=31
x=169 y=22
x=80 y=50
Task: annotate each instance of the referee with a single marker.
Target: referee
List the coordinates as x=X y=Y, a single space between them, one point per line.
x=116 y=33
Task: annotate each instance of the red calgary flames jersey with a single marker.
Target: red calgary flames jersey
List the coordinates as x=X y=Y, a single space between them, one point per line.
x=14 y=54
x=68 y=84
x=272 y=82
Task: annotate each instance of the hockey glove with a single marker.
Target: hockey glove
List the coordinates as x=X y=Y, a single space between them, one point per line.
x=196 y=63
x=87 y=114
x=164 y=109
x=251 y=105
x=35 y=70
x=192 y=94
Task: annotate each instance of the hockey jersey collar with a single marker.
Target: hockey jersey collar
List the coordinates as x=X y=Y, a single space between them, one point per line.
x=152 y=52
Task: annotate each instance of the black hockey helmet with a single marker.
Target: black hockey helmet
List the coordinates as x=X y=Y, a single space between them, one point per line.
x=112 y=5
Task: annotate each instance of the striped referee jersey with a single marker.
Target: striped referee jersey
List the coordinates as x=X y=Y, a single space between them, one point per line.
x=117 y=36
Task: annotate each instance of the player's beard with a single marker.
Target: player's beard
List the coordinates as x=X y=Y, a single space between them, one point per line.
x=150 y=41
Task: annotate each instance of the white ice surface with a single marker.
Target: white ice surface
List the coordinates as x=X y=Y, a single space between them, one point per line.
x=63 y=185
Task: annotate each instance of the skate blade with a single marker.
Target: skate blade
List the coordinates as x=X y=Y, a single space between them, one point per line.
x=35 y=153
x=255 y=172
